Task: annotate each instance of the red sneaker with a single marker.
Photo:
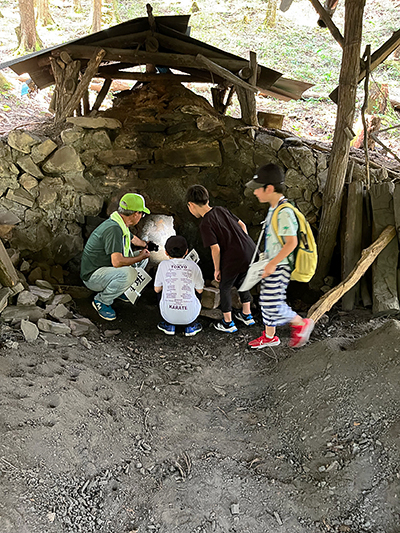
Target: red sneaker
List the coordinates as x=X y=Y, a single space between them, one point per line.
x=263 y=341
x=301 y=334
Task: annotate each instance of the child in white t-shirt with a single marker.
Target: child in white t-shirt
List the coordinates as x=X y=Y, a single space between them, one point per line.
x=177 y=280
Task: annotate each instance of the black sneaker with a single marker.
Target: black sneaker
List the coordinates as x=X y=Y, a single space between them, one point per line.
x=246 y=319
x=226 y=327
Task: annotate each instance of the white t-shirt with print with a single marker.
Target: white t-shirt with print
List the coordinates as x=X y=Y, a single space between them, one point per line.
x=287 y=226
x=179 y=278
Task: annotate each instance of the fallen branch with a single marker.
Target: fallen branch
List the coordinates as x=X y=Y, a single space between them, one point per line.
x=368 y=256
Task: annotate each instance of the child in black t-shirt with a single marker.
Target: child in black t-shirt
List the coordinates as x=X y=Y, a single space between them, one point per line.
x=231 y=250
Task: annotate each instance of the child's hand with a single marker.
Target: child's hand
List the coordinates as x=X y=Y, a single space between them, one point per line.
x=268 y=270
x=217 y=275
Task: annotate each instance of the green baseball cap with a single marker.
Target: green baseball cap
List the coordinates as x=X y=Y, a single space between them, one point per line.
x=133 y=202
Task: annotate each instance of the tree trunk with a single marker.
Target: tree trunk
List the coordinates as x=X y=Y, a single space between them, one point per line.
x=77 y=6
x=96 y=22
x=43 y=13
x=28 y=40
x=348 y=80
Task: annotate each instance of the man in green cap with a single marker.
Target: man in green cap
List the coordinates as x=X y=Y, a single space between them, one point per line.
x=107 y=259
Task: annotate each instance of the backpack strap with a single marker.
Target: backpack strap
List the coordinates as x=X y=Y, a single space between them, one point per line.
x=274 y=224
x=264 y=223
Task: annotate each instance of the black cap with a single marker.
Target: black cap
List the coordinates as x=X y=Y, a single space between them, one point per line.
x=176 y=246
x=270 y=174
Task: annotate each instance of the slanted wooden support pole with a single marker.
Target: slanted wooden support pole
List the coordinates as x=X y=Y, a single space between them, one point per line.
x=319 y=8
x=368 y=256
x=102 y=94
x=83 y=85
x=205 y=62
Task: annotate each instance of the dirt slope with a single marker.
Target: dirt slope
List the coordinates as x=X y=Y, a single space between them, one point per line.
x=147 y=433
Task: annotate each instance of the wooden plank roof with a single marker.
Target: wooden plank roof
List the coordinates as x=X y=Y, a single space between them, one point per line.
x=123 y=44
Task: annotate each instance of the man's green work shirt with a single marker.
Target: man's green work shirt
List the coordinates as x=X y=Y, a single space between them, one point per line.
x=105 y=240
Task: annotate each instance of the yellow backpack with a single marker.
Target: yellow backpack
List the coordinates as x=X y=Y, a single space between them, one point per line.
x=305 y=254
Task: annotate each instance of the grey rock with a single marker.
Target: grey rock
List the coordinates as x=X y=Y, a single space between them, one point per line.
x=27 y=298
x=30 y=330
x=28 y=182
x=5 y=292
x=73 y=136
x=43 y=150
x=95 y=123
x=60 y=311
x=82 y=326
x=53 y=327
x=235 y=509
x=78 y=182
x=44 y=295
x=43 y=284
x=321 y=179
x=190 y=154
x=20 y=196
x=294 y=178
x=17 y=288
x=61 y=299
x=91 y=205
x=27 y=164
x=85 y=342
x=27 y=312
x=8 y=217
x=305 y=159
x=208 y=123
x=24 y=266
x=118 y=157
x=48 y=192
x=65 y=159
x=97 y=141
x=271 y=142
x=22 y=141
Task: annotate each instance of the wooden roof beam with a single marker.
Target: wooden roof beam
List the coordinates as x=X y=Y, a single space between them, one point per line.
x=140 y=57
x=146 y=76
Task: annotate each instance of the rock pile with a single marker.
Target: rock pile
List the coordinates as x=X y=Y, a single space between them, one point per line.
x=157 y=140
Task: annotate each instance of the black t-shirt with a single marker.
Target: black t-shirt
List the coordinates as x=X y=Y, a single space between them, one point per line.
x=220 y=226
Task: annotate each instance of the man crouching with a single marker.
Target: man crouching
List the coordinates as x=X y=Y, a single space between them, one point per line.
x=107 y=259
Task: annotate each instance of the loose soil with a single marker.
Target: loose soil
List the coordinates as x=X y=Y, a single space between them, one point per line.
x=142 y=432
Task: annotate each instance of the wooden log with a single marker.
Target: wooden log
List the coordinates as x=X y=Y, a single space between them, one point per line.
x=368 y=256
x=384 y=272
x=102 y=94
x=8 y=274
x=352 y=238
x=205 y=62
x=90 y=72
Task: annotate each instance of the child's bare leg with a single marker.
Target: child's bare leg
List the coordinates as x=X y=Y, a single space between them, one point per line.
x=297 y=321
x=270 y=331
x=246 y=308
x=228 y=316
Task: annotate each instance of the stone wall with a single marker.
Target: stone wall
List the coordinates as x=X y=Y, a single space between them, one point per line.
x=157 y=141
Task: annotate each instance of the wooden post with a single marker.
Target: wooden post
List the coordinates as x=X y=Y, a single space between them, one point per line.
x=384 y=272
x=333 y=191
x=8 y=274
x=352 y=237
x=102 y=94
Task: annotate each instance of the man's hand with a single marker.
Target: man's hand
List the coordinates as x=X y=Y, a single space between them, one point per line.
x=144 y=254
x=217 y=275
x=268 y=270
